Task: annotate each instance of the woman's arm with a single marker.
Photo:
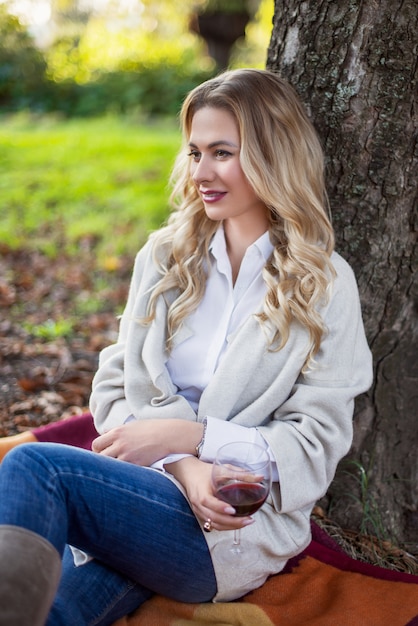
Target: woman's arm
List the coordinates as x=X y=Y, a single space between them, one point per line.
x=312 y=430
x=132 y=377
x=107 y=398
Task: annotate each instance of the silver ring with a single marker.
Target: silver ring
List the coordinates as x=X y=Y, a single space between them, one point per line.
x=207 y=526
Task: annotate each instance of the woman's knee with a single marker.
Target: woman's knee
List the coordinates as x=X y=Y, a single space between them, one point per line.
x=21 y=455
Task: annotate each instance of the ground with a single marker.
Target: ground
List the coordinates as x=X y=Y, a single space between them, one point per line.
x=56 y=314
x=55 y=317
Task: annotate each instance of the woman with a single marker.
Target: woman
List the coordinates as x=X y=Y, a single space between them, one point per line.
x=242 y=323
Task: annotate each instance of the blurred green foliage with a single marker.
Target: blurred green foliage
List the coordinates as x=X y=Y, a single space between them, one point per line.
x=158 y=91
x=22 y=66
x=113 y=62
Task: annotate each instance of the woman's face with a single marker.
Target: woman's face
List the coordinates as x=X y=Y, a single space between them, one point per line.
x=216 y=170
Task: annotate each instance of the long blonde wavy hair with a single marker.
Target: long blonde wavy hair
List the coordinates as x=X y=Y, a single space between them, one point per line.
x=282 y=158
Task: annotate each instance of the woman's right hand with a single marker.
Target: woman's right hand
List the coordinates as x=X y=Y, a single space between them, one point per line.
x=195 y=476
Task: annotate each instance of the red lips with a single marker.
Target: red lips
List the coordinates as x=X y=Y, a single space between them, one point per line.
x=212 y=195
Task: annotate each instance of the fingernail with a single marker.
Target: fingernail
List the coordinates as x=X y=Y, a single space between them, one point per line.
x=229 y=509
x=248 y=522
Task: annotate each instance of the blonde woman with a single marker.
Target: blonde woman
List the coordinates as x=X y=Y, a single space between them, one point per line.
x=242 y=324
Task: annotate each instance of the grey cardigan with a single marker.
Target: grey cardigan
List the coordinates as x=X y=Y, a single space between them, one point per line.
x=305 y=418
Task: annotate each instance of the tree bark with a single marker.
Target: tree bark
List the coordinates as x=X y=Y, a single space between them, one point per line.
x=354 y=64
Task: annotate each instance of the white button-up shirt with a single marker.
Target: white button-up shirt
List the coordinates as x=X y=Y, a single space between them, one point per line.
x=223 y=309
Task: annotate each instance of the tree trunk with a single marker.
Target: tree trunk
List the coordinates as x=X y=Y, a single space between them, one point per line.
x=354 y=65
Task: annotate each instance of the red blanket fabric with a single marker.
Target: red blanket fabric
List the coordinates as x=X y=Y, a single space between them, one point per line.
x=78 y=431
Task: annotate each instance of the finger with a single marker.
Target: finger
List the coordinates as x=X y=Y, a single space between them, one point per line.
x=227 y=522
x=214 y=505
x=102 y=442
x=110 y=451
x=221 y=519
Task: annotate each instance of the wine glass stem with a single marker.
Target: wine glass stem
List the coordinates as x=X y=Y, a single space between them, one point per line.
x=237 y=537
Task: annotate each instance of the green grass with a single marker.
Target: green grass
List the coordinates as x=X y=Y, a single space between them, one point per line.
x=65 y=183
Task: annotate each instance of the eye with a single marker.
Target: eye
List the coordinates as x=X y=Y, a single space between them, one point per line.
x=222 y=154
x=195 y=154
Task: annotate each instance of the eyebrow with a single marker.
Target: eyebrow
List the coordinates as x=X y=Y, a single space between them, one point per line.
x=214 y=144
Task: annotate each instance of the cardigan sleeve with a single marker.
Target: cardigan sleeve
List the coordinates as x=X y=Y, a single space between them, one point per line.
x=312 y=430
x=131 y=378
x=108 y=403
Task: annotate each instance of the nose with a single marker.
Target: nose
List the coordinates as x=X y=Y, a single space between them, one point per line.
x=202 y=170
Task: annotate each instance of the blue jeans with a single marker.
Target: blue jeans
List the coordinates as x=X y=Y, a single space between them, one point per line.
x=136 y=524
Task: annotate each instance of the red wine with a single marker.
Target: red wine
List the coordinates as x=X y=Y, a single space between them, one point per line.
x=246 y=498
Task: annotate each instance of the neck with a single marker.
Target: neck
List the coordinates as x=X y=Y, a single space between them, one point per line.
x=238 y=238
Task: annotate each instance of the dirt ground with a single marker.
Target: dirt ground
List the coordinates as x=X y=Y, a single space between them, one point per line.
x=55 y=317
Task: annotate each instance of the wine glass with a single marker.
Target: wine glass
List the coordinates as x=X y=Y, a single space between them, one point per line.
x=241 y=476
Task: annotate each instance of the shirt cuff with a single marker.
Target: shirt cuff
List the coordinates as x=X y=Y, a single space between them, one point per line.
x=172 y=458
x=220 y=432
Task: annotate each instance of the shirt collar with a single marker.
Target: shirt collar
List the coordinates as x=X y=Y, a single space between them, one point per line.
x=218 y=244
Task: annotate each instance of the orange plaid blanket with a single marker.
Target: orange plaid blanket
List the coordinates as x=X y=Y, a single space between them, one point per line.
x=321 y=587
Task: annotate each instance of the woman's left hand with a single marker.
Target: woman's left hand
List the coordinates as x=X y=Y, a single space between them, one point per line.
x=139 y=442
x=143 y=442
